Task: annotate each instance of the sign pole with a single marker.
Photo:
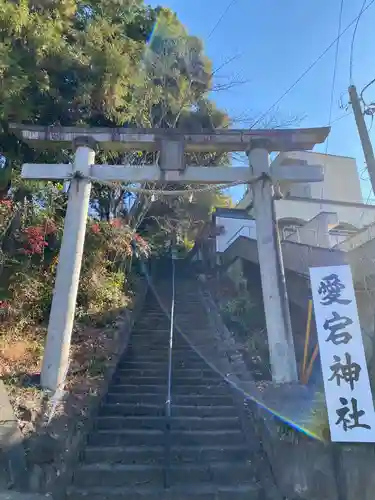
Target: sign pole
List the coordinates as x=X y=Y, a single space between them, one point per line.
x=57 y=348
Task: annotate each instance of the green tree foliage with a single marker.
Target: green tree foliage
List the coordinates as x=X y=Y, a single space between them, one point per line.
x=94 y=63
x=103 y=63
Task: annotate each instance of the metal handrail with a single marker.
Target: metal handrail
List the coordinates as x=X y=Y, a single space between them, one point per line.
x=233 y=237
x=248 y=392
x=168 y=401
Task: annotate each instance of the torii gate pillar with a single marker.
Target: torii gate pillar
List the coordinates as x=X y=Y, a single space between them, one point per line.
x=275 y=297
x=60 y=326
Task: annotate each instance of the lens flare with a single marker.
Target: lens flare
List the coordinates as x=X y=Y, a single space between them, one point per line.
x=300 y=407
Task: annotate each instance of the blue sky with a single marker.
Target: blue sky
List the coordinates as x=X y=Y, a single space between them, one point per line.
x=274 y=41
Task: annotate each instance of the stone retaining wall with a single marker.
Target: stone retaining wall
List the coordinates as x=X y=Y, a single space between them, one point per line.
x=303 y=468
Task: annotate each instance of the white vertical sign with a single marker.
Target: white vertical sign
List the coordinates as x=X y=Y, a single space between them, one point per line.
x=346 y=381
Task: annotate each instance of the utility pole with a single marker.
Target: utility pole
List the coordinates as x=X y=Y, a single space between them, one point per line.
x=56 y=354
x=275 y=297
x=171 y=168
x=363 y=134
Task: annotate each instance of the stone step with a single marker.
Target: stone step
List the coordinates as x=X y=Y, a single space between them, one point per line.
x=129 y=364
x=152 y=306
x=152 y=312
x=151 y=326
x=189 y=359
x=178 y=373
x=177 y=382
x=152 y=340
x=160 y=364
x=192 y=453
x=151 y=309
x=119 y=422
x=126 y=437
x=204 y=411
x=161 y=351
x=156 y=454
x=136 y=399
x=160 y=344
x=149 y=335
x=126 y=454
x=145 y=340
x=118 y=388
x=113 y=475
x=132 y=410
x=177 y=423
x=153 y=317
x=206 y=437
x=186 y=492
x=104 y=474
x=195 y=389
x=150 y=331
x=141 y=372
x=177 y=399
x=156 y=437
x=148 y=326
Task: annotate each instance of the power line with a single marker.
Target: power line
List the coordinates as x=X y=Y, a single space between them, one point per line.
x=361 y=12
x=228 y=7
x=341 y=117
x=365 y=88
x=311 y=66
x=335 y=70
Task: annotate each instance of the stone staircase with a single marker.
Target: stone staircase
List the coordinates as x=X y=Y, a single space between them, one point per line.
x=125 y=457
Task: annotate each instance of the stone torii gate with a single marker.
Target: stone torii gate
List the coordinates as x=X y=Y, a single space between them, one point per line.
x=172 y=145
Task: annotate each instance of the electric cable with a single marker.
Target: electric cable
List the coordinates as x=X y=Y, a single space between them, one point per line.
x=228 y=7
x=353 y=41
x=335 y=70
x=312 y=65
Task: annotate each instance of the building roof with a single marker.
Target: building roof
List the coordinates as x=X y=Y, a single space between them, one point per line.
x=234 y=213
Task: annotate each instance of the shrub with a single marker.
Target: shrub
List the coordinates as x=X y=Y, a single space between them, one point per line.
x=101 y=294
x=243 y=312
x=31 y=296
x=245 y=318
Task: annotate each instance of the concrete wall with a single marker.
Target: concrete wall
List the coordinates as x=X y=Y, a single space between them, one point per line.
x=297 y=260
x=362 y=261
x=297 y=257
x=356 y=216
x=315 y=232
x=291 y=465
x=358 y=239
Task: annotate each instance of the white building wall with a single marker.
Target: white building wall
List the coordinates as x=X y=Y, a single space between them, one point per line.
x=315 y=232
x=341 y=180
x=341 y=183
